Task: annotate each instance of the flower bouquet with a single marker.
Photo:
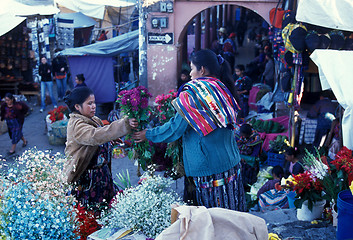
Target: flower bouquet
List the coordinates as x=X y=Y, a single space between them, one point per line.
x=146 y=207
x=334 y=177
x=58 y=113
x=307 y=187
x=134 y=104
x=34 y=203
x=165 y=111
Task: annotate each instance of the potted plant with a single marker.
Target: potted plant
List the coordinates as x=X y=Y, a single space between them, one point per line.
x=310 y=199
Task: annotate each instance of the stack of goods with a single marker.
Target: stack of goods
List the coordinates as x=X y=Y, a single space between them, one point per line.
x=267 y=126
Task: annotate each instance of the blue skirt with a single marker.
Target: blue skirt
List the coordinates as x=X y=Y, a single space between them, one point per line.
x=15 y=130
x=223 y=190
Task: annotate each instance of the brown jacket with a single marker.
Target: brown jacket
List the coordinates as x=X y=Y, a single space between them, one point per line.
x=84 y=135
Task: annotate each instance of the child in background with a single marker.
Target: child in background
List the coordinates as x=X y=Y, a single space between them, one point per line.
x=80 y=80
x=243 y=85
x=269 y=196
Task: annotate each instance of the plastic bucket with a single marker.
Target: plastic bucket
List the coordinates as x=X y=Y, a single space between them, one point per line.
x=305 y=214
x=345 y=215
x=291 y=198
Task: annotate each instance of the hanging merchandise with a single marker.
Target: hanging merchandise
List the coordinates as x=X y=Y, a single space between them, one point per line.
x=298 y=37
x=325 y=41
x=33 y=37
x=337 y=40
x=65 y=33
x=312 y=40
x=276 y=15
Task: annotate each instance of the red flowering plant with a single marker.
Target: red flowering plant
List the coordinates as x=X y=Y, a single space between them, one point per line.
x=58 y=113
x=134 y=104
x=334 y=176
x=87 y=222
x=344 y=164
x=306 y=186
x=165 y=111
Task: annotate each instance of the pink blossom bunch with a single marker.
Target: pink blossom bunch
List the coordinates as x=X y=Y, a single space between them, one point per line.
x=134 y=102
x=165 y=110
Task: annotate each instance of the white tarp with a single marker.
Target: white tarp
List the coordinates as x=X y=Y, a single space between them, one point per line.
x=336 y=71
x=8 y=22
x=12 y=13
x=336 y=14
x=93 y=8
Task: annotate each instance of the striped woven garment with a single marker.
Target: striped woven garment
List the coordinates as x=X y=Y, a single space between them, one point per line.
x=206 y=104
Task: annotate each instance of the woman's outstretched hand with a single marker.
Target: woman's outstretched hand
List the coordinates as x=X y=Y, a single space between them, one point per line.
x=133 y=123
x=139 y=136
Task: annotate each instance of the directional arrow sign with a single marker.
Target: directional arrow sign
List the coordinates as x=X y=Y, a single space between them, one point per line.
x=160 y=38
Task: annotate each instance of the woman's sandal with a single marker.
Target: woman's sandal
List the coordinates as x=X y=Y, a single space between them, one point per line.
x=25 y=143
x=9 y=153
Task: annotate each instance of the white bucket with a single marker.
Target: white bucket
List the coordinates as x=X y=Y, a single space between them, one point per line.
x=304 y=214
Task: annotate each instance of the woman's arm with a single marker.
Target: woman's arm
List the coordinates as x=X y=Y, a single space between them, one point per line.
x=169 y=132
x=86 y=134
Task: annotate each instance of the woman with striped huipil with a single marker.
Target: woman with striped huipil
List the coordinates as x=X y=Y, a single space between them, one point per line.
x=206 y=111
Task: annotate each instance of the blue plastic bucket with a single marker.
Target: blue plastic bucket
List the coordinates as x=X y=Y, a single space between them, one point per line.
x=291 y=198
x=345 y=215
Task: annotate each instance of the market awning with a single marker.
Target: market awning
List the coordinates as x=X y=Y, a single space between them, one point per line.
x=126 y=42
x=80 y=20
x=336 y=14
x=93 y=8
x=8 y=22
x=12 y=13
x=336 y=72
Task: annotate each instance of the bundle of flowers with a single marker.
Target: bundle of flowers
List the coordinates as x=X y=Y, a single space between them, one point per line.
x=134 y=104
x=165 y=111
x=307 y=187
x=344 y=162
x=58 y=113
x=336 y=176
x=87 y=222
x=146 y=207
x=34 y=202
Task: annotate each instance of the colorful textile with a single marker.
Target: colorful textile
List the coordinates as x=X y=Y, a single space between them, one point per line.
x=273 y=198
x=246 y=145
x=307 y=131
x=206 y=104
x=95 y=187
x=15 y=130
x=228 y=194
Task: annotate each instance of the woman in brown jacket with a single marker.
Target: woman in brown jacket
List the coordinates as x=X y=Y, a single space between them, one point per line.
x=88 y=149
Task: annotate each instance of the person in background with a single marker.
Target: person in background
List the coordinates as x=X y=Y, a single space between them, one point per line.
x=184 y=78
x=80 y=80
x=103 y=36
x=268 y=75
x=249 y=143
x=270 y=195
x=88 y=148
x=242 y=26
x=324 y=110
x=46 y=83
x=13 y=113
x=292 y=166
x=229 y=50
x=60 y=74
x=205 y=118
x=243 y=85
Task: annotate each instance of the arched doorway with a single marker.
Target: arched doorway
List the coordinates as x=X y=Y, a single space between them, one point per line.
x=164 y=61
